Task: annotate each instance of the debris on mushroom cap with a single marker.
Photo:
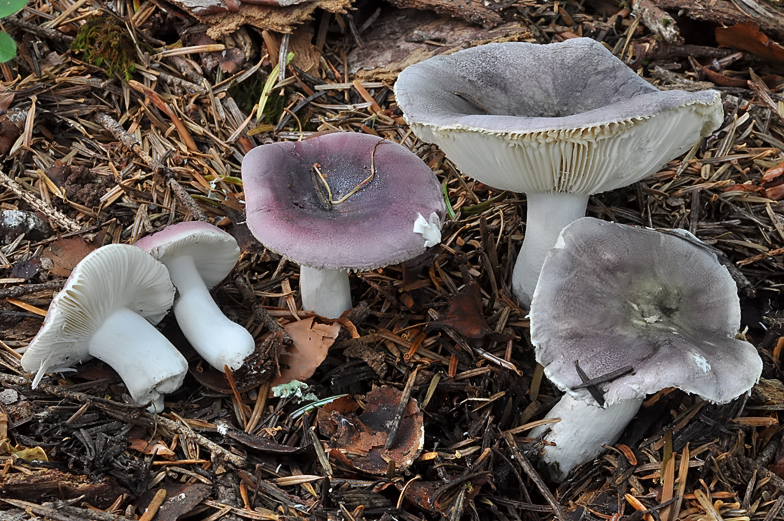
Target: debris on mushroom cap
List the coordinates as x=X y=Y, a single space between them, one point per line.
x=289 y=208
x=111 y=277
x=562 y=117
x=611 y=296
x=214 y=251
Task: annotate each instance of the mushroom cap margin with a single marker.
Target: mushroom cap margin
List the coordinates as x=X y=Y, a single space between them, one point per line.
x=563 y=117
x=214 y=251
x=108 y=278
x=680 y=334
x=373 y=228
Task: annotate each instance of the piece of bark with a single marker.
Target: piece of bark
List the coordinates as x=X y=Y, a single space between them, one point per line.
x=659 y=22
x=402 y=38
x=51 y=484
x=480 y=12
x=721 y=11
x=278 y=19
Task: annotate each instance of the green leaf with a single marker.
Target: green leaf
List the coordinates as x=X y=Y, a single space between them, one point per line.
x=7 y=47
x=9 y=7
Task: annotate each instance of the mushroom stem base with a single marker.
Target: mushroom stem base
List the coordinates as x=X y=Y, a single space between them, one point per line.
x=548 y=214
x=149 y=365
x=582 y=431
x=326 y=292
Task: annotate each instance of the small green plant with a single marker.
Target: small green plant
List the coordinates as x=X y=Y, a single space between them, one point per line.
x=105 y=42
x=7 y=44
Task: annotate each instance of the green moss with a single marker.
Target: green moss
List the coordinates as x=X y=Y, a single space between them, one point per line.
x=106 y=43
x=247 y=93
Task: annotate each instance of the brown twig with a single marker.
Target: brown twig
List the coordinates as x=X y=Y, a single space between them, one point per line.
x=401 y=409
x=259 y=311
x=130 y=143
x=531 y=471
x=158 y=102
x=55 y=215
x=18 y=291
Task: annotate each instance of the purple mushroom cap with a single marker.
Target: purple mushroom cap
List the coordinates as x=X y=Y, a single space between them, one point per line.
x=214 y=251
x=611 y=296
x=370 y=229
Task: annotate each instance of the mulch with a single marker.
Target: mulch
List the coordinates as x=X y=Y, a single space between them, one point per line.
x=103 y=158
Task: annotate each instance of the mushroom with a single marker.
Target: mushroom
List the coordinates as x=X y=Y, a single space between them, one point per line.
x=107 y=310
x=646 y=310
x=339 y=202
x=199 y=256
x=559 y=122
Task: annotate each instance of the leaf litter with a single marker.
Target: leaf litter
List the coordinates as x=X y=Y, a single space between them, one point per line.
x=446 y=333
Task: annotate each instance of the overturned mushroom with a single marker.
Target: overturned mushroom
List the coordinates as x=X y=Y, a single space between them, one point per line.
x=656 y=309
x=559 y=122
x=107 y=310
x=199 y=256
x=340 y=202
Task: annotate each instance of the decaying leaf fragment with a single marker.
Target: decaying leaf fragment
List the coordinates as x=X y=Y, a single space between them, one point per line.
x=747 y=37
x=65 y=254
x=310 y=343
x=358 y=440
x=464 y=315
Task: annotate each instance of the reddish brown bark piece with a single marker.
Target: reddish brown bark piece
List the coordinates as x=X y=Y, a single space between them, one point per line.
x=721 y=11
x=278 y=19
x=747 y=37
x=475 y=11
x=464 y=315
x=402 y=38
x=51 y=485
x=359 y=440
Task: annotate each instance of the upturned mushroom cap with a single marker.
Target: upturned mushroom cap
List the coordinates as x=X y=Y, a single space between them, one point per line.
x=110 y=278
x=214 y=251
x=563 y=117
x=611 y=296
x=374 y=227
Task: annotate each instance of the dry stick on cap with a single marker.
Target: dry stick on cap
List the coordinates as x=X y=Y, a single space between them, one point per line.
x=558 y=122
x=198 y=256
x=369 y=203
x=615 y=296
x=107 y=310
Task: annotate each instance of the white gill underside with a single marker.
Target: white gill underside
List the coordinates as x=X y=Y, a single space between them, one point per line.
x=584 y=161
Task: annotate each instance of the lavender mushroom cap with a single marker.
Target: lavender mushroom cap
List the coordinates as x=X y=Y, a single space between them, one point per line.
x=571 y=116
x=198 y=256
x=371 y=229
x=214 y=251
x=611 y=296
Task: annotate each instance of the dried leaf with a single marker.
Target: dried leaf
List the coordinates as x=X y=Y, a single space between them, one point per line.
x=65 y=254
x=310 y=343
x=360 y=439
x=464 y=315
x=747 y=37
x=26 y=269
x=151 y=447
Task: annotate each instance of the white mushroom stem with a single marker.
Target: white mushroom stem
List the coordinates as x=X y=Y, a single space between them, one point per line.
x=217 y=339
x=146 y=361
x=326 y=292
x=548 y=214
x=582 y=431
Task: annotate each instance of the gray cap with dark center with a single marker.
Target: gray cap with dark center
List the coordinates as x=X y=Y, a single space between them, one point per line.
x=611 y=296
